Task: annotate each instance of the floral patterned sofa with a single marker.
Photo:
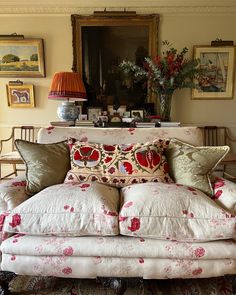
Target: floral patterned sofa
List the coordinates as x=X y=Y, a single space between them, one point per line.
x=150 y=230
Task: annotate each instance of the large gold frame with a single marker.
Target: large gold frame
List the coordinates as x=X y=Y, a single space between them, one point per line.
x=112 y=19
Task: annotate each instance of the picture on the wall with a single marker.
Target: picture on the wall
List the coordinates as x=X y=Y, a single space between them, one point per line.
x=20 y=96
x=218 y=77
x=22 y=58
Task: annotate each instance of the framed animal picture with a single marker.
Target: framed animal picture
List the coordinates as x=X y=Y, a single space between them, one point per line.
x=20 y=96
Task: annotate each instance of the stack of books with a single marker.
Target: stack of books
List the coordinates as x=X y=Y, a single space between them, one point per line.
x=63 y=123
x=170 y=124
x=145 y=124
x=84 y=123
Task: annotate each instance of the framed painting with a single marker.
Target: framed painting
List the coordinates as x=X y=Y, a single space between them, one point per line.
x=20 y=96
x=22 y=58
x=218 y=64
x=94 y=113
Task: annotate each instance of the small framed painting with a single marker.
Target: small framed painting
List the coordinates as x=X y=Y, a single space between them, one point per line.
x=120 y=110
x=22 y=58
x=218 y=64
x=94 y=113
x=20 y=96
x=137 y=114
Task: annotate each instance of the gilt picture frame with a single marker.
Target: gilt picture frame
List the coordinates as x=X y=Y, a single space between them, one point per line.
x=218 y=64
x=22 y=58
x=20 y=96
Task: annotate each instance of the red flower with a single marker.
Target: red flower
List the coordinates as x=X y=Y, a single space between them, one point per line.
x=86 y=153
x=217 y=194
x=127 y=148
x=104 y=179
x=107 y=159
x=218 y=184
x=122 y=218
x=84 y=185
x=148 y=158
x=135 y=224
x=19 y=183
x=111 y=170
x=126 y=168
x=16 y=220
x=127 y=204
x=141 y=260
x=199 y=252
x=109 y=148
x=68 y=251
x=2 y=218
x=197 y=271
x=67 y=270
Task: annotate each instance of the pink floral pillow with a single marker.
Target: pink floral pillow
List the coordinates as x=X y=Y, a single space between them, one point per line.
x=119 y=165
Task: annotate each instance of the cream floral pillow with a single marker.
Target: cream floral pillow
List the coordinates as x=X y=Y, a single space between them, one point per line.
x=173 y=211
x=191 y=166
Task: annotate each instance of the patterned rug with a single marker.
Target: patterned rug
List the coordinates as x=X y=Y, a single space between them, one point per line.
x=56 y=286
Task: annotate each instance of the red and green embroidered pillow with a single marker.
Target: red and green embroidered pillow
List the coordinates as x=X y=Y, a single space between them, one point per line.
x=119 y=165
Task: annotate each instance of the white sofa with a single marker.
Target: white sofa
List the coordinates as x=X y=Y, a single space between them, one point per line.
x=116 y=256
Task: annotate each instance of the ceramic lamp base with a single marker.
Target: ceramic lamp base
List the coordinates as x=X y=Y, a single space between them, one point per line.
x=67 y=111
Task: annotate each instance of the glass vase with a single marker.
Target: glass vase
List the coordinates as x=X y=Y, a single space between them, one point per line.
x=165 y=106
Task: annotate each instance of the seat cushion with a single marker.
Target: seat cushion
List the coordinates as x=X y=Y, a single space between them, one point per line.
x=46 y=164
x=11 y=156
x=68 y=210
x=191 y=166
x=118 y=165
x=175 y=212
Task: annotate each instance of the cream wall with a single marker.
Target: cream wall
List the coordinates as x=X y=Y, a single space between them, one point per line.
x=186 y=29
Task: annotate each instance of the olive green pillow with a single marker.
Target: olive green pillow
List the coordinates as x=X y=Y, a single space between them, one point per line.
x=191 y=166
x=46 y=164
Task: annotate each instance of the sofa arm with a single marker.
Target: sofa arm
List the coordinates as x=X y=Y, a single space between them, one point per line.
x=12 y=193
x=224 y=193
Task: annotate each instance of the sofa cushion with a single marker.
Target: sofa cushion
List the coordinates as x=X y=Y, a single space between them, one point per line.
x=173 y=211
x=68 y=210
x=191 y=166
x=46 y=164
x=118 y=165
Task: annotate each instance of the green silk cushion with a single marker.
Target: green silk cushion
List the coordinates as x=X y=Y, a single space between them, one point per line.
x=191 y=166
x=46 y=164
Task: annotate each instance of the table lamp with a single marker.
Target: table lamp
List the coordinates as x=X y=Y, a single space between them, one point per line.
x=67 y=86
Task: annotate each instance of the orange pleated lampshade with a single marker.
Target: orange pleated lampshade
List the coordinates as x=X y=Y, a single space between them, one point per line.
x=67 y=85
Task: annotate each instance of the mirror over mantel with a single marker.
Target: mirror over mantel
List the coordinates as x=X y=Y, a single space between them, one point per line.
x=101 y=42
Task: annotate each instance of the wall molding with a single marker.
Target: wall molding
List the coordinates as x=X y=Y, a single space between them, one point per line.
x=58 y=7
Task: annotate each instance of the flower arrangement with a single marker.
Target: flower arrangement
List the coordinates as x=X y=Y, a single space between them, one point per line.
x=165 y=73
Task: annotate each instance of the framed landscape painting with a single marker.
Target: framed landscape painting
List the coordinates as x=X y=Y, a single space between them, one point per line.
x=218 y=64
x=22 y=58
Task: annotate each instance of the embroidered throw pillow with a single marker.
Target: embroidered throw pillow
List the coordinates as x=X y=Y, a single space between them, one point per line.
x=46 y=164
x=191 y=166
x=119 y=165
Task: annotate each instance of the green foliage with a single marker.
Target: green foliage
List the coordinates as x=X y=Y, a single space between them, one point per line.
x=10 y=58
x=165 y=73
x=34 y=57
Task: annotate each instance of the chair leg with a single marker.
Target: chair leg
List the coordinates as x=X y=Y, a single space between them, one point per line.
x=14 y=169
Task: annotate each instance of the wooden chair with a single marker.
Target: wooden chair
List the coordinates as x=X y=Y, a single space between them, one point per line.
x=215 y=136
x=13 y=158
